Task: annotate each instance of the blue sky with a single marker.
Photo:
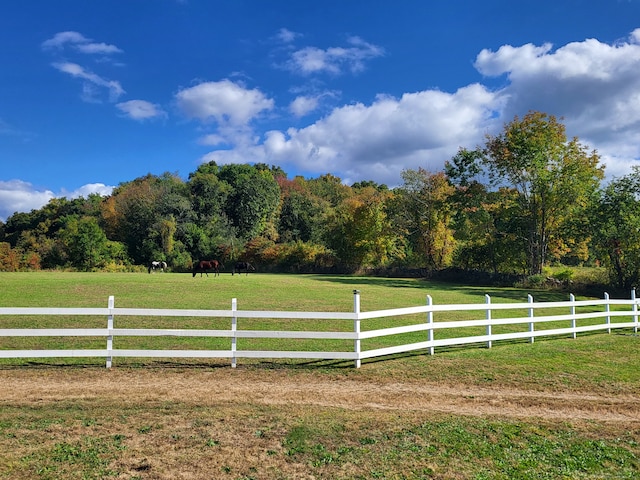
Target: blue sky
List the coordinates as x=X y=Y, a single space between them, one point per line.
x=96 y=93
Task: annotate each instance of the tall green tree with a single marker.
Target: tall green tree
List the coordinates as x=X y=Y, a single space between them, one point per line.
x=85 y=242
x=253 y=200
x=208 y=193
x=554 y=180
x=486 y=222
x=301 y=212
x=616 y=222
x=141 y=212
x=330 y=188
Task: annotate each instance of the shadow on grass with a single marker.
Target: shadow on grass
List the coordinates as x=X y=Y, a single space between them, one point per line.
x=509 y=293
x=311 y=365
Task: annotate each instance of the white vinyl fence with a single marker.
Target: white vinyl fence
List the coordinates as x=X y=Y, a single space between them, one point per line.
x=571 y=317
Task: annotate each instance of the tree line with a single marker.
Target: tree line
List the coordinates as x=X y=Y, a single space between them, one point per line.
x=527 y=198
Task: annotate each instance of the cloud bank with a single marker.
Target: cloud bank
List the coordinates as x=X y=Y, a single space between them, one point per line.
x=593 y=87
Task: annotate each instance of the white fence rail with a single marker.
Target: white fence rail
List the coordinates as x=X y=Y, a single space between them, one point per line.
x=598 y=315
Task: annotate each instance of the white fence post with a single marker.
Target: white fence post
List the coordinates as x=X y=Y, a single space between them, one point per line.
x=572 y=298
x=430 y=322
x=356 y=326
x=531 y=324
x=110 y=306
x=487 y=300
x=607 y=308
x=234 y=329
x=635 y=310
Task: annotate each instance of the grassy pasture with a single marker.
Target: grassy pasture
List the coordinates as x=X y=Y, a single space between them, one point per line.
x=181 y=419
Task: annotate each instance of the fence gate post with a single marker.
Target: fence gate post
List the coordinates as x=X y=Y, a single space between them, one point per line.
x=487 y=300
x=572 y=297
x=635 y=310
x=356 y=326
x=430 y=322
x=110 y=306
x=607 y=308
x=531 y=324
x=234 y=329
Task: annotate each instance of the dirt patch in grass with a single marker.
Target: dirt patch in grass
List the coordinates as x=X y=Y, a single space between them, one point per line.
x=252 y=422
x=258 y=386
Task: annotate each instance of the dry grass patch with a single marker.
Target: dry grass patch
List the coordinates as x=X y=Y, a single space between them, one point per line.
x=268 y=423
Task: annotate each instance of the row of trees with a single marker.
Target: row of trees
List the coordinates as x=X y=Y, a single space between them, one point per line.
x=526 y=198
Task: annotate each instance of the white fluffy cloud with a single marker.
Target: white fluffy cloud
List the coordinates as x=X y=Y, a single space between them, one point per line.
x=225 y=102
x=141 y=110
x=334 y=60
x=303 y=105
x=378 y=141
x=19 y=196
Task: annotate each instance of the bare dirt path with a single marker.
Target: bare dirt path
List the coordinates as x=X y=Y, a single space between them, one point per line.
x=23 y=386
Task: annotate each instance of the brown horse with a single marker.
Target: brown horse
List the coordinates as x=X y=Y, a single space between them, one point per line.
x=203 y=266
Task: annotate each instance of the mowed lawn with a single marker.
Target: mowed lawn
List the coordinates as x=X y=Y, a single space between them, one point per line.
x=256 y=291
x=184 y=418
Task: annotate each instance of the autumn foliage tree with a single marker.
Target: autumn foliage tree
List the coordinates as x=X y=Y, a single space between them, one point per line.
x=426 y=216
x=553 y=179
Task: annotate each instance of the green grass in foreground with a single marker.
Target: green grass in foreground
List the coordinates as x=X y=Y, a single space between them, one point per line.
x=175 y=440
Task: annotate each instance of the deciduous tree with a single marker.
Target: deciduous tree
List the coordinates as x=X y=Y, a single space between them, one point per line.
x=426 y=216
x=554 y=179
x=616 y=227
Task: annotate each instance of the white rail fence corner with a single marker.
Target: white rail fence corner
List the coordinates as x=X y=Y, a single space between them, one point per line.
x=597 y=315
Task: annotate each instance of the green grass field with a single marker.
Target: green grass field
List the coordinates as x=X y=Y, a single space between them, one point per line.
x=56 y=421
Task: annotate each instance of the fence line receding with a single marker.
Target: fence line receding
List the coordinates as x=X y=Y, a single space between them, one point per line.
x=425 y=327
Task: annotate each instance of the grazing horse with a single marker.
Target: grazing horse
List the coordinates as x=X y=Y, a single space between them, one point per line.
x=157 y=266
x=246 y=266
x=203 y=266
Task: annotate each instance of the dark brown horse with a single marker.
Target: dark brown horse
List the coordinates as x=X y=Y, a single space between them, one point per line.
x=240 y=266
x=203 y=266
